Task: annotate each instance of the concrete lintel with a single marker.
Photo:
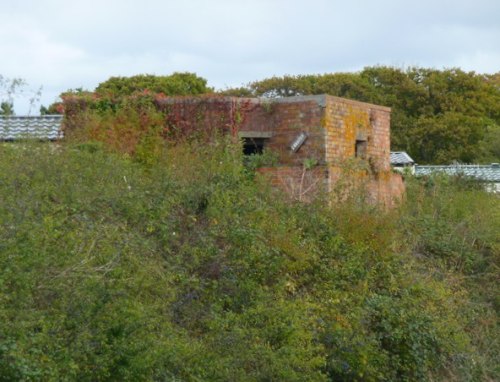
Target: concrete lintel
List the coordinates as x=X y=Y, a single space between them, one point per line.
x=361 y=136
x=255 y=134
x=319 y=99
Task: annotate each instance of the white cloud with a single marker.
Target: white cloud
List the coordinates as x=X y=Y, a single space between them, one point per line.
x=29 y=52
x=61 y=44
x=479 y=61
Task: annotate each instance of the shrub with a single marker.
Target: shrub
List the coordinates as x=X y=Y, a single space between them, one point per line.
x=177 y=265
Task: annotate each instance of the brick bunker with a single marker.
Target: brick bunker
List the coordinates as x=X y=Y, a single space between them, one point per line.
x=322 y=142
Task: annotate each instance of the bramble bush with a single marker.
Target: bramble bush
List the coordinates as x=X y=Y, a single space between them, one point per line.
x=185 y=266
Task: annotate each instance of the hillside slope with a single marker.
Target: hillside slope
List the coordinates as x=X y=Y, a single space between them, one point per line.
x=191 y=269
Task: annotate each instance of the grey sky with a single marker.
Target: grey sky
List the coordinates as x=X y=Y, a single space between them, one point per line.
x=67 y=44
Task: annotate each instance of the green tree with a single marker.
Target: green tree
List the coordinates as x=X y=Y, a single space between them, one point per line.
x=174 y=84
x=54 y=108
x=6 y=108
x=438 y=116
x=339 y=84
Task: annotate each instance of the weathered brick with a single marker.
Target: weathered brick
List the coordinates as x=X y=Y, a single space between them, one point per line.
x=333 y=126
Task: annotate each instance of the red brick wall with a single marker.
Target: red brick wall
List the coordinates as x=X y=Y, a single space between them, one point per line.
x=386 y=188
x=297 y=182
x=205 y=115
x=286 y=120
x=346 y=121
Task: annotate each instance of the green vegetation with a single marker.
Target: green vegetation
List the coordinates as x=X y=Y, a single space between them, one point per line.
x=6 y=108
x=174 y=84
x=125 y=92
x=438 y=116
x=124 y=257
x=181 y=265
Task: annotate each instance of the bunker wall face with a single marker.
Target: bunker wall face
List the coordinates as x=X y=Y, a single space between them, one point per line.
x=285 y=122
x=203 y=117
x=357 y=151
x=297 y=182
x=350 y=125
x=278 y=123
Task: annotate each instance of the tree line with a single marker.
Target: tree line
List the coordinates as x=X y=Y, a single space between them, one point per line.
x=438 y=116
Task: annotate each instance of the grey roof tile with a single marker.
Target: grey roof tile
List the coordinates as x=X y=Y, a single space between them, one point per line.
x=45 y=127
x=485 y=173
x=400 y=157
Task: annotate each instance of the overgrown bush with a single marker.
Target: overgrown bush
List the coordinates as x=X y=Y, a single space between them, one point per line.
x=452 y=227
x=184 y=267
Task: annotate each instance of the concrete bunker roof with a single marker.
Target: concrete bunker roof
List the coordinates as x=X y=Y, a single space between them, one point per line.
x=320 y=99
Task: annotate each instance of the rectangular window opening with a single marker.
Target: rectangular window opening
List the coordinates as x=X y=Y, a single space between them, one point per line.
x=360 y=149
x=252 y=146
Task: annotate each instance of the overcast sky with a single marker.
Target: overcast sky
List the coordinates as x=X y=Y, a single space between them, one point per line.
x=60 y=45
